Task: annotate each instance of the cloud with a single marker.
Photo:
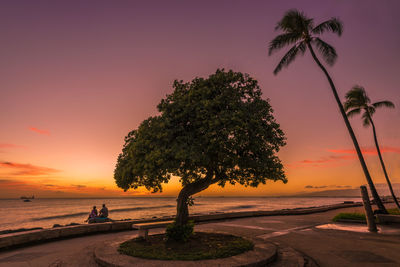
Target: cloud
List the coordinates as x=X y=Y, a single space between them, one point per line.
x=11 y=185
x=14 y=188
x=311 y=186
x=322 y=161
x=367 y=151
x=9 y=182
x=5 y=145
x=78 y=186
x=341 y=155
x=9 y=146
x=26 y=169
x=343 y=186
x=328 y=159
x=39 y=131
x=326 y=186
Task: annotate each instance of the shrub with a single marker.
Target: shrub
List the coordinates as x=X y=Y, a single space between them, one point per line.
x=394 y=211
x=179 y=232
x=349 y=216
x=200 y=246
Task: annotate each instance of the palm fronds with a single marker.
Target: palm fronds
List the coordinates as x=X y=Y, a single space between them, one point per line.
x=366 y=119
x=357 y=100
x=357 y=94
x=333 y=25
x=298 y=30
x=294 y=21
x=327 y=51
x=290 y=56
x=283 y=40
x=353 y=112
x=386 y=104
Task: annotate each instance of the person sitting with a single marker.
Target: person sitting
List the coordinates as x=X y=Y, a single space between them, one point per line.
x=103 y=212
x=93 y=213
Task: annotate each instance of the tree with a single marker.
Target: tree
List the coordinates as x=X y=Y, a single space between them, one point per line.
x=299 y=31
x=210 y=131
x=357 y=101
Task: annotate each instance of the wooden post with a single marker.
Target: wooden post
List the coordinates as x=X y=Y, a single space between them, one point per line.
x=369 y=215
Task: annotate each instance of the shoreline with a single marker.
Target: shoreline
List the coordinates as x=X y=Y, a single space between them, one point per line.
x=74 y=211
x=18 y=239
x=250 y=213
x=211 y=215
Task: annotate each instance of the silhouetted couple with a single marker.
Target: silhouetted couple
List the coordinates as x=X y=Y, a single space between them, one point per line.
x=103 y=213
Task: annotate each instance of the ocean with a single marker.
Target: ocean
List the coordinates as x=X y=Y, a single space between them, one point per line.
x=45 y=213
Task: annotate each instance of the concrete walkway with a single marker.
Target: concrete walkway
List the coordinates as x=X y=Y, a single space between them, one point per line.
x=327 y=247
x=303 y=233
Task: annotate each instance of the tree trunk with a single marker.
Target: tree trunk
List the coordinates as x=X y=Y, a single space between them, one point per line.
x=182 y=209
x=383 y=164
x=374 y=193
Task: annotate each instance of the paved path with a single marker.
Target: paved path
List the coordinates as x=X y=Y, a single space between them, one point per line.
x=326 y=246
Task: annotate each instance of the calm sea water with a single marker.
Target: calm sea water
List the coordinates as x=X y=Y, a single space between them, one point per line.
x=46 y=212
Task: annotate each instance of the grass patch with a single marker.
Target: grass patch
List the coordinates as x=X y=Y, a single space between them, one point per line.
x=200 y=246
x=394 y=211
x=359 y=216
x=349 y=216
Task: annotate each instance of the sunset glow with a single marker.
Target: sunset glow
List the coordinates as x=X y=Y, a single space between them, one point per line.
x=78 y=76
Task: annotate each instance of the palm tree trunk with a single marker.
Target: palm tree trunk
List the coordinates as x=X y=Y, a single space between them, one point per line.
x=374 y=193
x=383 y=164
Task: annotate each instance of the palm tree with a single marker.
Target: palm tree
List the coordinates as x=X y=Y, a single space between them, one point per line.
x=299 y=31
x=357 y=100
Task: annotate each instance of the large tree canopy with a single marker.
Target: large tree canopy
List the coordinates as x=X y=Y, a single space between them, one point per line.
x=210 y=131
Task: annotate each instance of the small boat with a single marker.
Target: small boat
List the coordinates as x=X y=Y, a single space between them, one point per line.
x=24 y=197
x=27 y=200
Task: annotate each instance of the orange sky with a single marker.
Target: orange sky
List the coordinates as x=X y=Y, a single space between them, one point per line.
x=77 y=78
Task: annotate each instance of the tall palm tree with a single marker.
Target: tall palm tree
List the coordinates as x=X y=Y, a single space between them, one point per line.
x=299 y=31
x=357 y=101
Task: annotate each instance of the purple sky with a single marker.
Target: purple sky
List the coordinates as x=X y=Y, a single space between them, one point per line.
x=76 y=76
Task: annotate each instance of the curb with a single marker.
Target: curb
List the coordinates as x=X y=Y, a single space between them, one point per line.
x=350 y=221
x=106 y=255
